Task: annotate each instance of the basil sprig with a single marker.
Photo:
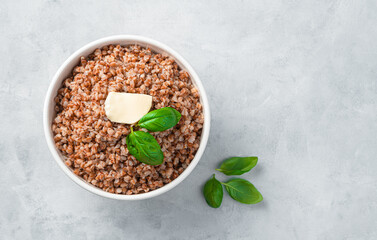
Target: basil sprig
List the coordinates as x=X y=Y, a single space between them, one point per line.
x=239 y=189
x=213 y=192
x=243 y=191
x=144 y=147
x=237 y=165
x=160 y=119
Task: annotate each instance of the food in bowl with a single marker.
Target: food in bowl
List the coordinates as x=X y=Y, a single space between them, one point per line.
x=95 y=147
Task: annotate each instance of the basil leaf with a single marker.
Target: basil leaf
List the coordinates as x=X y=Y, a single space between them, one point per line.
x=213 y=192
x=243 y=191
x=160 y=119
x=145 y=148
x=237 y=165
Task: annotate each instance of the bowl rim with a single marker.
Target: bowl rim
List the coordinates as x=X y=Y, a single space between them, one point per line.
x=142 y=41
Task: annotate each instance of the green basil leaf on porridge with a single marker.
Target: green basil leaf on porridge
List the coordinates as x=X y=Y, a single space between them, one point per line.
x=213 y=192
x=237 y=165
x=160 y=119
x=243 y=191
x=145 y=148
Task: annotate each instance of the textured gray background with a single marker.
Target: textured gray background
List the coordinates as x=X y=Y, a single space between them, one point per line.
x=293 y=82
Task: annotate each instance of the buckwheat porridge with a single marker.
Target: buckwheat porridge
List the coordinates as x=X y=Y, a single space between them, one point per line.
x=95 y=148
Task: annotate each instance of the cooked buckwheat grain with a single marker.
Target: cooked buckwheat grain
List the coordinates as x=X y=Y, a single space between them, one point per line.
x=95 y=148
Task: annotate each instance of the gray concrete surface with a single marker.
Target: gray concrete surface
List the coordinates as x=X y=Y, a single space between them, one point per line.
x=293 y=82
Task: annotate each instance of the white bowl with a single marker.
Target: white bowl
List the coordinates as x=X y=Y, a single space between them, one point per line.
x=66 y=69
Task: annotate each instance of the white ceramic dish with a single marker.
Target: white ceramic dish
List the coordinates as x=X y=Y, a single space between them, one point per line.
x=66 y=69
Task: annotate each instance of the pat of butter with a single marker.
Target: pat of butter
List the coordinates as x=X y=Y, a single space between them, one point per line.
x=127 y=108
